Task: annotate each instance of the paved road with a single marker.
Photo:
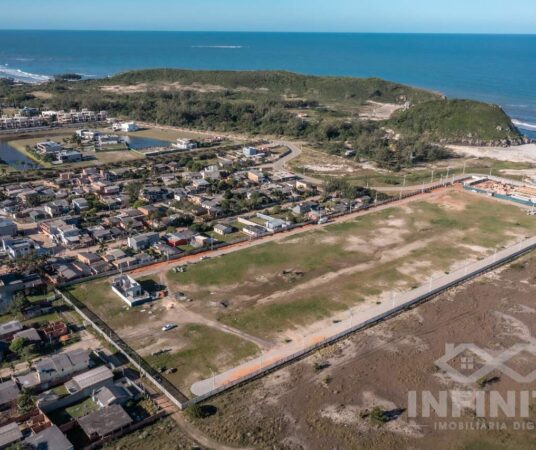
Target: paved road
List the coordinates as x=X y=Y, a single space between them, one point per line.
x=356 y=317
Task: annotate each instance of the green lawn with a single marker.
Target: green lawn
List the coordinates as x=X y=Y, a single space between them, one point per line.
x=393 y=248
x=100 y=298
x=204 y=349
x=62 y=416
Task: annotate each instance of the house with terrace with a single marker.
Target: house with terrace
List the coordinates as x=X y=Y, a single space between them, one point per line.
x=130 y=291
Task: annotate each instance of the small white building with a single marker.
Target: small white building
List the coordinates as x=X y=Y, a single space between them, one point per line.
x=186 y=144
x=126 y=127
x=129 y=290
x=48 y=148
x=250 y=152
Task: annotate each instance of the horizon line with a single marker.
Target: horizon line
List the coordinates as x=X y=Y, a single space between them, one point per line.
x=445 y=33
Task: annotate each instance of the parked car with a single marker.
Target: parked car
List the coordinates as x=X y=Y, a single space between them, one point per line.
x=169 y=326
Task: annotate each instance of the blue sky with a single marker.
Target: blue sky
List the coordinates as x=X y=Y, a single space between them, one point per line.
x=449 y=16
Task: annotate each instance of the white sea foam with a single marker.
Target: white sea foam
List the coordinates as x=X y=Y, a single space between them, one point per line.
x=20 y=75
x=524 y=125
x=218 y=46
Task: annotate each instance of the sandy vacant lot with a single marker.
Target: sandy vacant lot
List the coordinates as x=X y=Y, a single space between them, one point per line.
x=323 y=401
x=285 y=290
x=520 y=153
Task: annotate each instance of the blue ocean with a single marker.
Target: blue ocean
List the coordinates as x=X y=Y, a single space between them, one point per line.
x=492 y=68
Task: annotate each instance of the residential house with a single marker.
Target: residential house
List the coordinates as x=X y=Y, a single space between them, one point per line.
x=185 y=144
x=273 y=223
x=254 y=231
x=52 y=370
x=111 y=395
x=21 y=248
x=223 y=229
x=88 y=258
x=57 y=208
x=8 y=228
x=29 y=335
x=10 y=434
x=80 y=204
x=50 y=438
x=183 y=237
x=256 y=176
x=143 y=241
x=9 y=391
x=68 y=156
x=48 y=148
x=88 y=382
x=129 y=290
x=104 y=422
x=249 y=152
x=8 y=330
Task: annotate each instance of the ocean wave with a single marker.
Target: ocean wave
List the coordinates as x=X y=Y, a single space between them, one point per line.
x=524 y=125
x=218 y=46
x=20 y=75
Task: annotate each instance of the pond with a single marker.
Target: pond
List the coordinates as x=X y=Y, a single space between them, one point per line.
x=140 y=143
x=14 y=158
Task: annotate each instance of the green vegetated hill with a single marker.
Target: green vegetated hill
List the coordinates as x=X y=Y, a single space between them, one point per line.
x=322 y=110
x=325 y=89
x=458 y=121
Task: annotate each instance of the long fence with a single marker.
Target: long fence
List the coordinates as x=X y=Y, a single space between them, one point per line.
x=145 y=369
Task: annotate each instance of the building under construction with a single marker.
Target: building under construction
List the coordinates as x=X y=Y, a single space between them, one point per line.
x=505 y=189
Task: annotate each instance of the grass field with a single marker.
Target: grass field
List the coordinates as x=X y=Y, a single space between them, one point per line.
x=192 y=350
x=341 y=265
x=277 y=290
x=204 y=349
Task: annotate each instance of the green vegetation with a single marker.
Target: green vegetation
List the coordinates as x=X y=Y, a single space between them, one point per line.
x=292 y=85
x=82 y=408
x=25 y=401
x=162 y=435
x=378 y=416
x=364 y=257
x=203 y=349
x=457 y=121
x=268 y=103
x=271 y=318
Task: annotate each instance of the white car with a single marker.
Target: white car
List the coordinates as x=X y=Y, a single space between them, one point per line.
x=169 y=326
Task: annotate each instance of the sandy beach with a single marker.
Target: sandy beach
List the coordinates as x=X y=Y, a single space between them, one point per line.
x=520 y=153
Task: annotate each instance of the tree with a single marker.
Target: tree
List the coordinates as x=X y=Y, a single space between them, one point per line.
x=17 y=345
x=18 y=303
x=25 y=401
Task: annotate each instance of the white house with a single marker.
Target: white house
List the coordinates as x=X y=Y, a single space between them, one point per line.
x=186 y=144
x=129 y=290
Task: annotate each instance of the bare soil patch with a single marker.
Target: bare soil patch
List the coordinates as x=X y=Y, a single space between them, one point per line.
x=303 y=407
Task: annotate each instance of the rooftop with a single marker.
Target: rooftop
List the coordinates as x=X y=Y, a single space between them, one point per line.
x=50 y=438
x=9 y=434
x=92 y=377
x=105 y=421
x=8 y=391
